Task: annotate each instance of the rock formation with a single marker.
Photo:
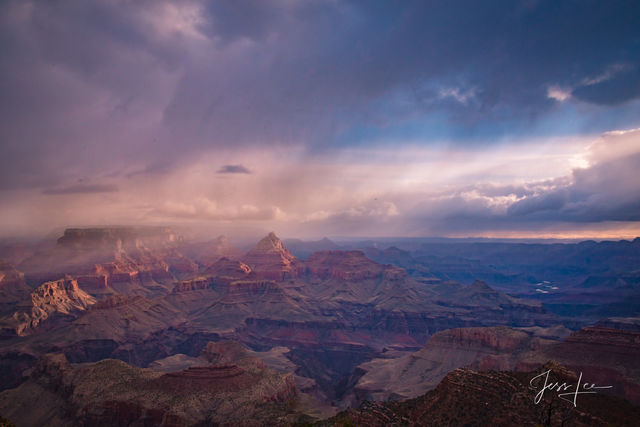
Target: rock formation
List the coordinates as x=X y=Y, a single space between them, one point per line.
x=143 y=260
x=343 y=265
x=470 y=397
x=412 y=374
x=13 y=287
x=117 y=237
x=62 y=296
x=602 y=354
x=191 y=285
x=228 y=268
x=270 y=259
x=332 y=314
x=111 y=392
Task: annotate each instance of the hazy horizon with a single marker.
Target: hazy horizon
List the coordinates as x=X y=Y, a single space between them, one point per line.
x=246 y=238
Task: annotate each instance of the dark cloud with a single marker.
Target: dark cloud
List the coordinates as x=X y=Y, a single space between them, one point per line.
x=551 y=201
x=81 y=189
x=132 y=90
x=156 y=168
x=234 y=169
x=604 y=192
x=254 y=19
x=83 y=82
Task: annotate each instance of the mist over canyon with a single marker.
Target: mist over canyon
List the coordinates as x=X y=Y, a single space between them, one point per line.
x=112 y=325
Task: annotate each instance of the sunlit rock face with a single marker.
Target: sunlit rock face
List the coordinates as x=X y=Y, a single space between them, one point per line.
x=62 y=296
x=270 y=259
x=226 y=267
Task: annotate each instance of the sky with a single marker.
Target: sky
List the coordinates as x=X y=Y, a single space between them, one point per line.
x=322 y=118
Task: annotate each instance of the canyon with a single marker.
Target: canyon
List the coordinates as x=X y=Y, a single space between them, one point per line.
x=286 y=338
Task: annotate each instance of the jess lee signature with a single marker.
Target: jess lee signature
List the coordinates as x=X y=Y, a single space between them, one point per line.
x=584 y=388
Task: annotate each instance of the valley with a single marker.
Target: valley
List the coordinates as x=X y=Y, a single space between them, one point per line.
x=337 y=328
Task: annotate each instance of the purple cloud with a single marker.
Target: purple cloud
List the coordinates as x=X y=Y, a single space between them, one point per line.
x=234 y=169
x=81 y=189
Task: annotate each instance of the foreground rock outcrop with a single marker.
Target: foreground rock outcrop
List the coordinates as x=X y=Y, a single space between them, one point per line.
x=112 y=392
x=496 y=398
x=413 y=374
x=602 y=354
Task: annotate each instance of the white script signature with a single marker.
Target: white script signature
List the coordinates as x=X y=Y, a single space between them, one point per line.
x=584 y=388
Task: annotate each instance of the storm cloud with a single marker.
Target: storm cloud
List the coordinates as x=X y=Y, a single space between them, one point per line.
x=604 y=192
x=132 y=96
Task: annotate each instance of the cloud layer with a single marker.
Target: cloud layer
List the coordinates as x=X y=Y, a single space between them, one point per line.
x=338 y=116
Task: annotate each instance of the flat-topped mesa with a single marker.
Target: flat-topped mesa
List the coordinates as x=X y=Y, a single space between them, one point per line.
x=346 y=265
x=205 y=374
x=593 y=345
x=116 y=237
x=224 y=352
x=198 y=283
x=479 y=294
x=270 y=259
x=488 y=339
x=609 y=337
x=247 y=291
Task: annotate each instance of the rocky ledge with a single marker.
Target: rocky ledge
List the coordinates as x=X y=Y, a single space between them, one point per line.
x=112 y=392
x=497 y=398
